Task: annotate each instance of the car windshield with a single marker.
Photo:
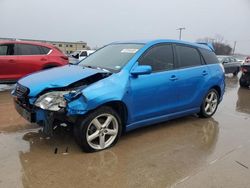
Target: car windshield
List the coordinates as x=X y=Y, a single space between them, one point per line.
x=111 y=57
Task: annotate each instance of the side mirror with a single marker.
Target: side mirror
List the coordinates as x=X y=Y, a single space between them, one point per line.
x=141 y=70
x=224 y=62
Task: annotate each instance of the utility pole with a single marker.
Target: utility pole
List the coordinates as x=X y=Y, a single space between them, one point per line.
x=180 y=29
x=235 y=42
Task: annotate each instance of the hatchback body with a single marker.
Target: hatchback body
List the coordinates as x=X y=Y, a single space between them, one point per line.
x=19 y=58
x=123 y=86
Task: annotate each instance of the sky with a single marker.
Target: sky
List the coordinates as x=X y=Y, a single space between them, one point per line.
x=99 y=22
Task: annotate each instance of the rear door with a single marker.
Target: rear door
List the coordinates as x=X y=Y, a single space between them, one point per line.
x=8 y=69
x=31 y=58
x=192 y=76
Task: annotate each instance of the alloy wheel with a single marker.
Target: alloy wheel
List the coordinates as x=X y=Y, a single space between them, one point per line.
x=102 y=131
x=211 y=102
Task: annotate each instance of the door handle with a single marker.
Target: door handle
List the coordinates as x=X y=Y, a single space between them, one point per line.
x=11 y=60
x=204 y=73
x=173 y=78
x=43 y=59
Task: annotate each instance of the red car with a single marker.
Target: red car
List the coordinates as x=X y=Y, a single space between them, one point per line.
x=19 y=58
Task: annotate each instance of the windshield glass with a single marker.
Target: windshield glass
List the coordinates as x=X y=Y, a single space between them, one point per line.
x=112 y=57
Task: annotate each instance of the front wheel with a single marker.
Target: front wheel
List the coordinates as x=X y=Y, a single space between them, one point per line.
x=209 y=104
x=99 y=130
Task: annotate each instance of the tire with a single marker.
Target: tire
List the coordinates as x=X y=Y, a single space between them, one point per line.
x=242 y=84
x=236 y=73
x=210 y=104
x=98 y=130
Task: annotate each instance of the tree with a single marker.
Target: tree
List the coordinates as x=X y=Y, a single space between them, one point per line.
x=220 y=45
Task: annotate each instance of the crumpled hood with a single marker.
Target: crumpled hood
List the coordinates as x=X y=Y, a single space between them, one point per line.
x=56 y=78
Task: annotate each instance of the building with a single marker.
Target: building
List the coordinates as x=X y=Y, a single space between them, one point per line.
x=66 y=47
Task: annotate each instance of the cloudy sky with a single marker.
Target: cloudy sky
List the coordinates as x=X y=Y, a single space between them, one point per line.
x=99 y=22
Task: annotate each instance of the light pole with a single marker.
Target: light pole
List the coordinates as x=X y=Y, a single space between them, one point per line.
x=180 y=28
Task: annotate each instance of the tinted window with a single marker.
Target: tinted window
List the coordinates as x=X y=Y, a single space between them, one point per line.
x=7 y=49
x=44 y=50
x=84 y=54
x=209 y=56
x=188 y=56
x=3 y=49
x=159 y=58
x=27 y=49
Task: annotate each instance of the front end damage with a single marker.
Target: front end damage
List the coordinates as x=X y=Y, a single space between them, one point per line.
x=57 y=106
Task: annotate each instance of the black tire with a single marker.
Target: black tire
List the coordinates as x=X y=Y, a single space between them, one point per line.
x=235 y=73
x=203 y=112
x=243 y=83
x=83 y=126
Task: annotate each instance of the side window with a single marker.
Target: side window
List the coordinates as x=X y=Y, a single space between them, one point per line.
x=160 y=58
x=27 y=49
x=209 y=56
x=188 y=56
x=3 y=49
x=84 y=54
x=7 y=49
x=44 y=50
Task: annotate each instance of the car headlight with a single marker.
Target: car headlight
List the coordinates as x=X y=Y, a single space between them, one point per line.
x=53 y=101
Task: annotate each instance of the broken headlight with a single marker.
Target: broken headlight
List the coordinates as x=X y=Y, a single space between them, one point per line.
x=53 y=101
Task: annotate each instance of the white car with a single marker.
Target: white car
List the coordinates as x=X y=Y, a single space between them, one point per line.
x=81 y=54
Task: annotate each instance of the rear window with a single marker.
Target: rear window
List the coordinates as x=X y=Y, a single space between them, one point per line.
x=209 y=56
x=188 y=56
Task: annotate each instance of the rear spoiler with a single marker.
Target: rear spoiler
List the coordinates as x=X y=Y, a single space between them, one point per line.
x=210 y=45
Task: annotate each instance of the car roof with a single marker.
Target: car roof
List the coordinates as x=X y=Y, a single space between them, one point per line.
x=163 y=41
x=26 y=42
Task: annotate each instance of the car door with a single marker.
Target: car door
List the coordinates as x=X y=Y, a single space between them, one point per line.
x=8 y=69
x=192 y=76
x=30 y=58
x=154 y=94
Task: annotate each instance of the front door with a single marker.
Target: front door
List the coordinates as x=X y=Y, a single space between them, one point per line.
x=155 y=94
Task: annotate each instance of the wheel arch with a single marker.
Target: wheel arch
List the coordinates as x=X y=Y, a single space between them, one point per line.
x=122 y=110
x=218 y=89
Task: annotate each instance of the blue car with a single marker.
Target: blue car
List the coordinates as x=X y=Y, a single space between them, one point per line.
x=123 y=86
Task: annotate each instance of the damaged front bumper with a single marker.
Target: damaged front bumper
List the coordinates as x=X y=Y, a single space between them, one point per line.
x=45 y=118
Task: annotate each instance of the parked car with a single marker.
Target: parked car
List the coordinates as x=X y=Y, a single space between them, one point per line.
x=19 y=58
x=81 y=54
x=231 y=64
x=245 y=76
x=123 y=86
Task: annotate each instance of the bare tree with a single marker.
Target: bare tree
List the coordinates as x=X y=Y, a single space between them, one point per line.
x=220 y=45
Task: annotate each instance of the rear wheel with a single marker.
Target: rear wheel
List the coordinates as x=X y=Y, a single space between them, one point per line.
x=209 y=104
x=99 y=130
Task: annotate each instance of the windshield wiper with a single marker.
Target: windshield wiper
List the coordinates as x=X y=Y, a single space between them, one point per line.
x=95 y=67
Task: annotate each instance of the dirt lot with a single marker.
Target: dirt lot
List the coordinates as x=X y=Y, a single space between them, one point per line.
x=187 y=152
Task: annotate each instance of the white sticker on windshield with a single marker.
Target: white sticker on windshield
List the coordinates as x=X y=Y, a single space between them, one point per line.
x=131 y=51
